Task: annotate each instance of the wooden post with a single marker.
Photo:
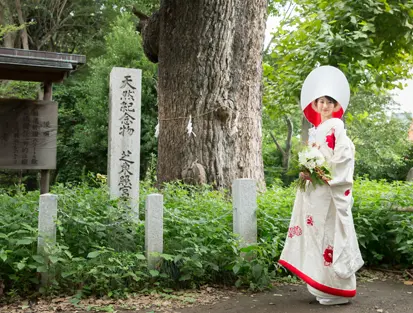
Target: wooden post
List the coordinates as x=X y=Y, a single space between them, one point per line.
x=45 y=174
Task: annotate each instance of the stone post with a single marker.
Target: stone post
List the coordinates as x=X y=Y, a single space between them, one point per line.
x=124 y=135
x=410 y=175
x=47 y=228
x=153 y=228
x=244 y=200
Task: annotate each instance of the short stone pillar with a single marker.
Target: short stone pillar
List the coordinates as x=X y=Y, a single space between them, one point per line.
x=244 y=201
x=410 y=175
x=153 y=228
x=47 y=228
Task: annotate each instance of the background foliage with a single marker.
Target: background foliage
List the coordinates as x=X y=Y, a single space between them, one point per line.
x=371 y=42
x=84 y=110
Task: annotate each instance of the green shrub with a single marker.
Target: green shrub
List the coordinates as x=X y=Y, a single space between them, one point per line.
x=385 y=235
x=100 y=250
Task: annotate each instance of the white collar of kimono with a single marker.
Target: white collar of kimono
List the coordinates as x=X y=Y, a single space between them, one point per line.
x=329 y=124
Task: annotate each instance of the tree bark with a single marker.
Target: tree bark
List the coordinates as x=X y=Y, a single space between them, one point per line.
x=7 y=19
x=210 y=54
x=23 y=32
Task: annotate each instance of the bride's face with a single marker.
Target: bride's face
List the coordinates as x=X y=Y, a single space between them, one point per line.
x=325 y=107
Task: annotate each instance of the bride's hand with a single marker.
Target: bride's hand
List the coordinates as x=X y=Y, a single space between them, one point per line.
x=315 y=145
x=305 y=176
x=326 y=181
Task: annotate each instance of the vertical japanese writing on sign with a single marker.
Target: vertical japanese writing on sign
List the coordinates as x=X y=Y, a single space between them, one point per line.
x=125 y=183
x=35 y=134
x=16 y=139
x=124 y=135
x=4 y=136
x=25 y=135
x=126 y=106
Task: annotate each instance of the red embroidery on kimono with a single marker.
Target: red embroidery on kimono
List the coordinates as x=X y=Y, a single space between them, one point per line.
x=331 y=140
x=347 y=192
x=328 y=256
x=310 y=220
x=295 y=231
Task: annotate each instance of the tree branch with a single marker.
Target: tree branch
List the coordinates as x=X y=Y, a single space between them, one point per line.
x=288 y=12
x=290 y=133
x=24 y=37
x=139 y=14
x=288 y=142
x=277 y=144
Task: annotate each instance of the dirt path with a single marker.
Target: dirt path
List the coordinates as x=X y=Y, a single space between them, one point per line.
x=390 y=297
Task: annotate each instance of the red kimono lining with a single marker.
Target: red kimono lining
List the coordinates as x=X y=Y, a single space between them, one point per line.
x=316 y=285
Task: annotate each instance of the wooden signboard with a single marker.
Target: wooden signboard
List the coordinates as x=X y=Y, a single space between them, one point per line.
x=28 y=133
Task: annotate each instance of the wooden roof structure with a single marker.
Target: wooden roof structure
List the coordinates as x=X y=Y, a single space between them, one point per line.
x=38 y=66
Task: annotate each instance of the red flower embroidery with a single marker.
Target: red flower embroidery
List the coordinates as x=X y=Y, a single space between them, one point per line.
x=310 y=220
x=347 y=192
x=331 y=140
x=295 y=231
x=328 y=256
x=298 y=231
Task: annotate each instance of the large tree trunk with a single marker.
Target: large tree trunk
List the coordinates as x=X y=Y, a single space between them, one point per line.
x=210 y=54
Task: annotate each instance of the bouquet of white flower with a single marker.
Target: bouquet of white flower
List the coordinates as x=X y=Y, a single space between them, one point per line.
x=312 y=163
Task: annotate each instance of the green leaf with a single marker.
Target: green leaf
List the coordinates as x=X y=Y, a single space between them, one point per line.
x=257 y=271
x=74 y=301
x=42 y=269
x=25 y=241
x=67 y=274
x=94 y=254
x=154 y=273
x=21 y=265
x=249 y=248
x=54 y=259
x=178 y=258
x=167 y=257
x=38 y=258
x=185 y=277
x=140 y=256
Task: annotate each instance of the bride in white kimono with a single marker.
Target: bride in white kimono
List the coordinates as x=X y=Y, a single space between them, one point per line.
x=321 y=246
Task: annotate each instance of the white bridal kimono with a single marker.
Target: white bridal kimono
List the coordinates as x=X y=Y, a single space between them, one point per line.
x=321 y=246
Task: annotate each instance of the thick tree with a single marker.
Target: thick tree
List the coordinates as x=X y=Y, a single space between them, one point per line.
x=209 y=55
